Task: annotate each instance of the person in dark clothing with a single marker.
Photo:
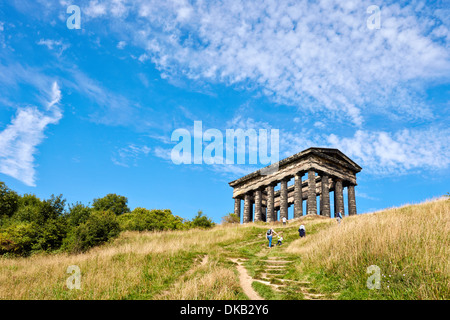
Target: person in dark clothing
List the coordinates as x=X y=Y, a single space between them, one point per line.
x=302 y=231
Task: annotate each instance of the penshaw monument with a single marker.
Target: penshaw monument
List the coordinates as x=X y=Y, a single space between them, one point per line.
x=326 y=171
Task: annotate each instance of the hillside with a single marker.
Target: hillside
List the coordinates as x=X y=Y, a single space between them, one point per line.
x=410 y=245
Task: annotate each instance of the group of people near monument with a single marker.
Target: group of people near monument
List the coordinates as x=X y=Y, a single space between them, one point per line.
x=270 y=233
x=301 y=231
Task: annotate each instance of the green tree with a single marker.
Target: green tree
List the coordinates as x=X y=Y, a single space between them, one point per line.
x=9 y=201
x=46 y=218
x=78 y=214
x=100 y=227
x=141 y=219
x=202 y=221
x=18 y=238
x=111 y=202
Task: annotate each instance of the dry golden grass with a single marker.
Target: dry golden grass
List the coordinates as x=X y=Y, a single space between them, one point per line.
x=112 y=271
x=411 y=242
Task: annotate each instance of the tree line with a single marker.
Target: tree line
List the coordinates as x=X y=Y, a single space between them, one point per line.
x=31 y=225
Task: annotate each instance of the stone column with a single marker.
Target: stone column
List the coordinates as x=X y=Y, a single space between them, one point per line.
x=247 y=208
x=258 y=205
x=325 y=197
x=283 y=199
x=237 y=208
x=338 y=197
x=311 y=204
x=298 y=196
x=270 y=209
x=351 y=200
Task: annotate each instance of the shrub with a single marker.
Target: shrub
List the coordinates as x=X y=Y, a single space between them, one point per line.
x=17 y=238
x=9 y=201
x=230 y=218
x=112 y=202
x=100 y=227
x=142 y=219
x=201 y=221
x=78 y=214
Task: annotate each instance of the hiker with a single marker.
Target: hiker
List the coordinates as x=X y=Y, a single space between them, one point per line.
x=339 y=217
x=269 y=235
x=302 y=231
x=284 y=220
x=280 y=240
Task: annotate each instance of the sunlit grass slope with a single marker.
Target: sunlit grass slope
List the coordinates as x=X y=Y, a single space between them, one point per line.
x=410 y=245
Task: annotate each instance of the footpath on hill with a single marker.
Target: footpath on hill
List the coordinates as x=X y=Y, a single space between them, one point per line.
x=271 y=273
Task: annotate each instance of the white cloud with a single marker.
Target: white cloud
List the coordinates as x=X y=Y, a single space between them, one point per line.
x=19 y=140
x=121 y=45
x=95 y=9
x=380 y=152
x=333 y=63
x=130 y=155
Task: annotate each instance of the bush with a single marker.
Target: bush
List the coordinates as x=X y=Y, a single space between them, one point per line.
x=201 y=221
x=18 y=238
x=142 y=219
x=46 y=220
x=78 y=214
x=230 y=218
x=100 y=227
x=9 y=201
x=112 y=202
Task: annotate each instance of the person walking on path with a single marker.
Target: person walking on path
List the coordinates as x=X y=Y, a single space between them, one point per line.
x=284 y=220
x=280 y=240
x=302 y=231
x=339 y=217
x=269 y=236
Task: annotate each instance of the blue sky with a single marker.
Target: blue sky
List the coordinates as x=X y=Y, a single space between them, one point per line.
x=90 y=111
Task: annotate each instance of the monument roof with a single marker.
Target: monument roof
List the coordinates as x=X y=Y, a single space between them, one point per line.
x=331 y=154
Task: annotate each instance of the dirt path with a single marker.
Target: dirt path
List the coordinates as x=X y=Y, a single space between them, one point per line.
x=271 y=271
x=246 y=281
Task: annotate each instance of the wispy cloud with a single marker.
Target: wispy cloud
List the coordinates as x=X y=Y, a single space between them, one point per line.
x=130 y=155
x=334 y=65
x=19 y=140
x=54 y=44
x=400 y=152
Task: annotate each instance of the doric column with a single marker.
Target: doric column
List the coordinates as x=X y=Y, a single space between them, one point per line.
x=325 y=197
x=247 y=208
x=311 y=204
x=237 y=208
x=258 y=205
x=283 y=199
x=338 y=197
x=270 y=209
x=351 y=200
x=298 y=196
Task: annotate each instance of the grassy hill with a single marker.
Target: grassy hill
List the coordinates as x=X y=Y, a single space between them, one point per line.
x=410 y=246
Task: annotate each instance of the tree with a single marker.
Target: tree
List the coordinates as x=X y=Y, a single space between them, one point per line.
x=78 y=214
x=112 y=202
x=201 y=221
x=141 y=219
x=9 y=201
x=100 y=227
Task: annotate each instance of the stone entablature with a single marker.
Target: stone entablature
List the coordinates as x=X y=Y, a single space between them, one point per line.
x=335 y=171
